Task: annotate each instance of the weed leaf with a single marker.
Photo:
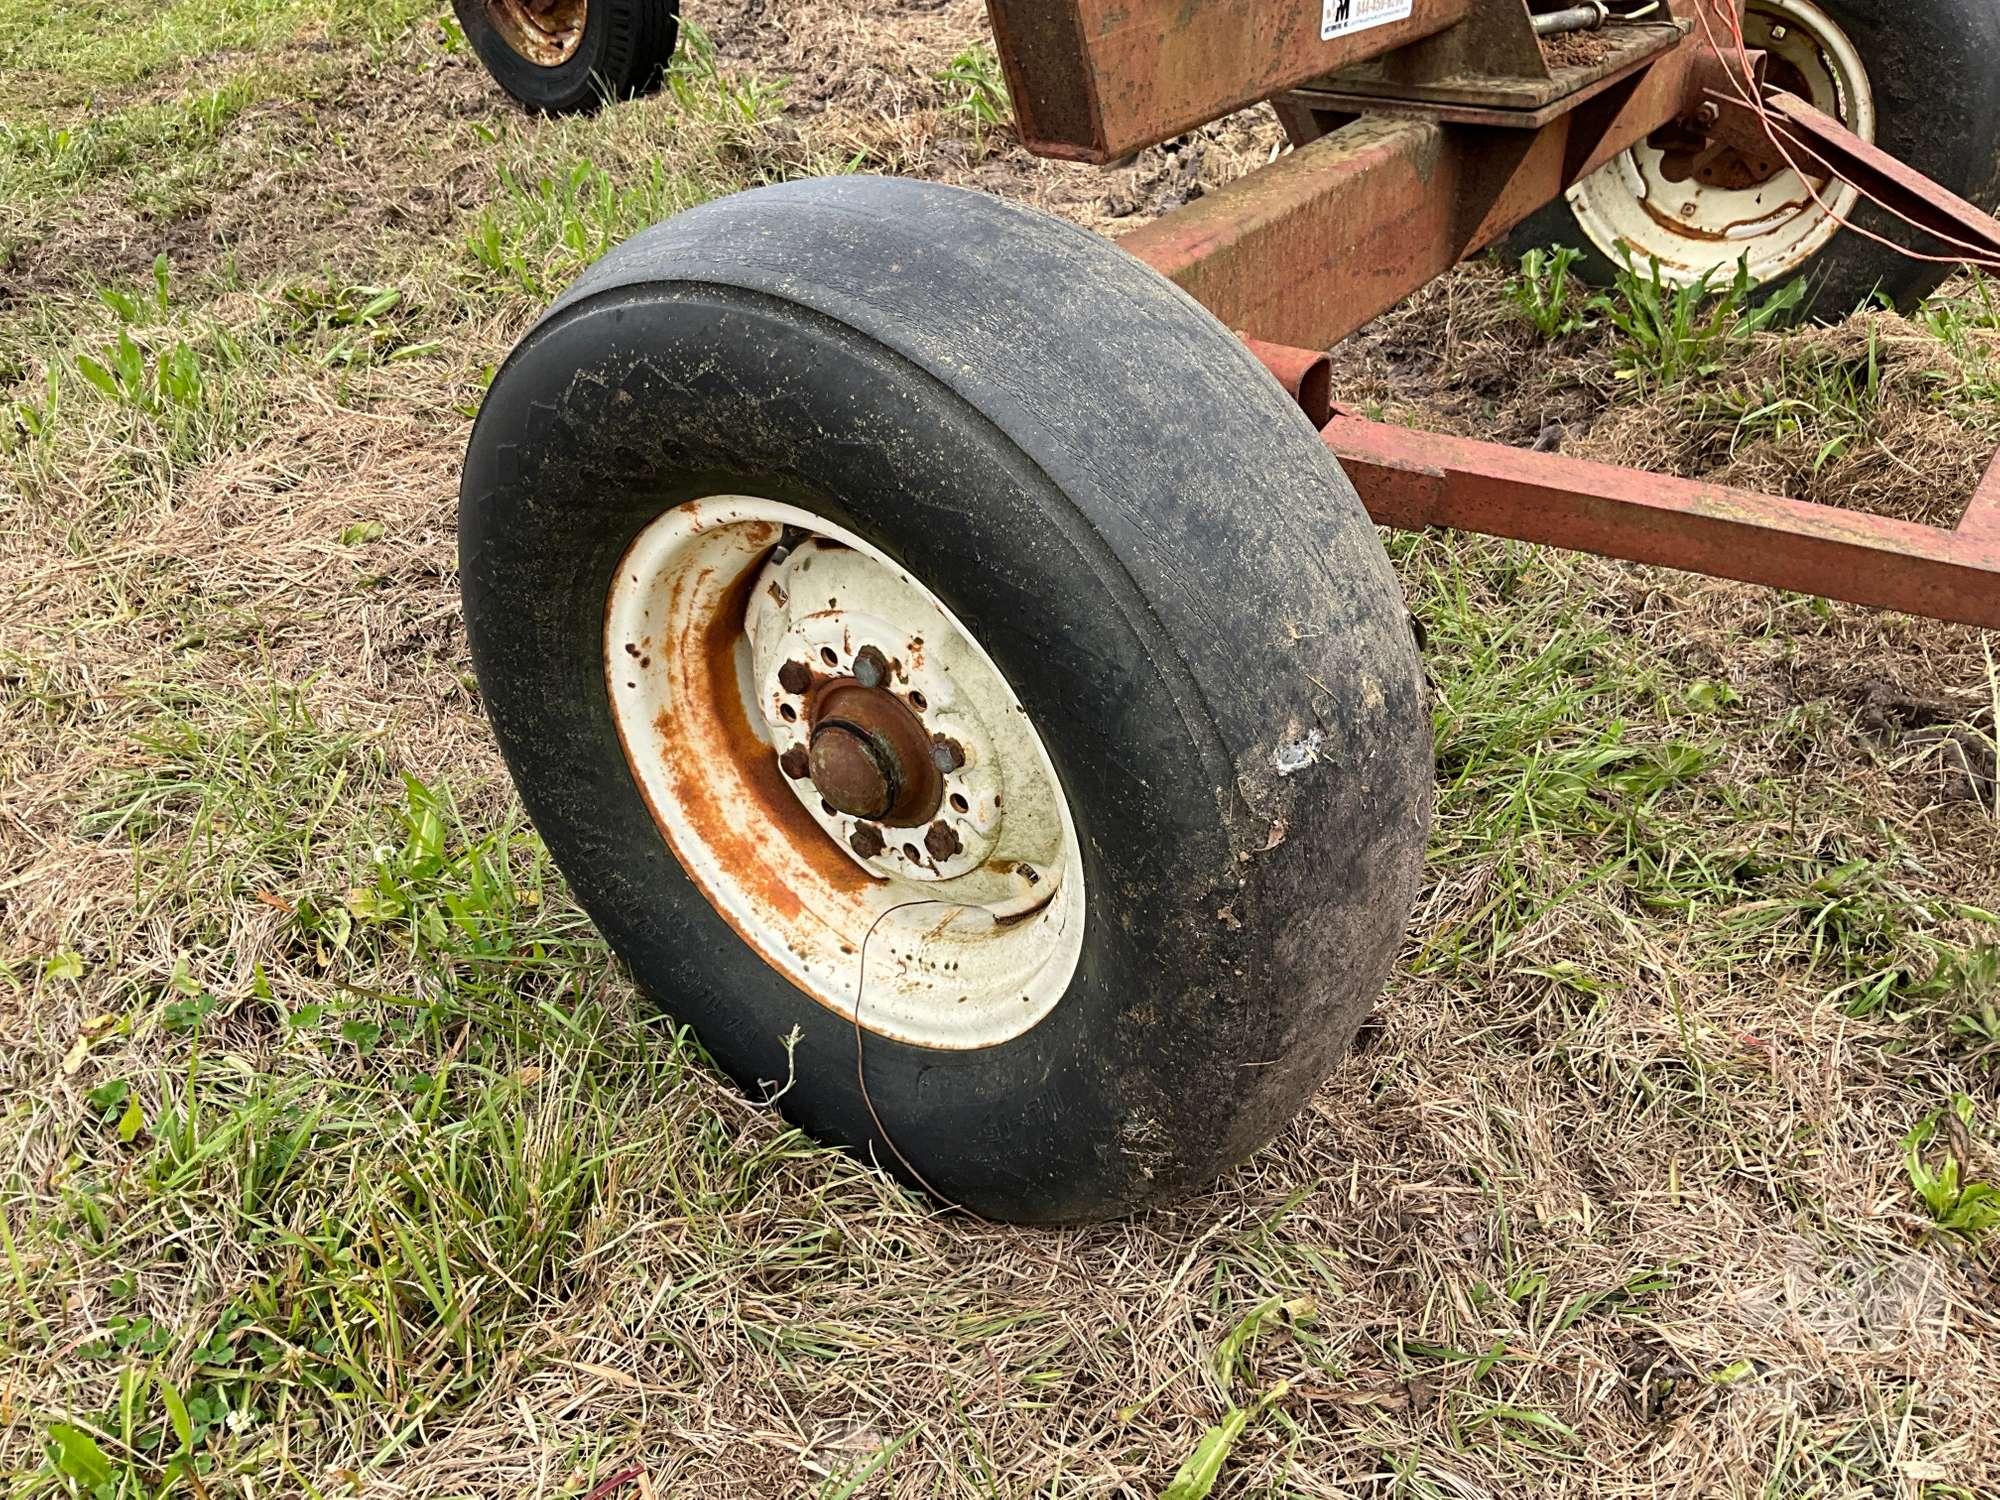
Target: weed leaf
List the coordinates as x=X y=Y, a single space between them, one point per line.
x=78 y=1457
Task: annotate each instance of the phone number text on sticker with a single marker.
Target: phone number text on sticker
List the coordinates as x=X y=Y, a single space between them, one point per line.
x=1339 y=17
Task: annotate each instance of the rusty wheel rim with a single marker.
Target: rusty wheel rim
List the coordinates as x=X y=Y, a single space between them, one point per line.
x=545 y=32
x=837 y=764
x=1698 y=214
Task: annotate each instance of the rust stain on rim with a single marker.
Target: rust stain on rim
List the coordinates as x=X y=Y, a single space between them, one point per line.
x=715 y=732
x=545 y=32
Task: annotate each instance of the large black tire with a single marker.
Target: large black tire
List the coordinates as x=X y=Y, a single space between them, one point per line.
x=621 y=52
x=1931 y=64
x=1152 y=544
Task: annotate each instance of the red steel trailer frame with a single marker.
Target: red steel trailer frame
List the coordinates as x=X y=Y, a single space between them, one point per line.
x=1423 y=140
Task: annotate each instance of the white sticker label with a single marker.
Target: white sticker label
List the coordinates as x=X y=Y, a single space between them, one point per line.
x=1339 y=17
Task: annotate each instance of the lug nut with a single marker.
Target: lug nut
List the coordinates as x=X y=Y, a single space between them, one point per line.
x=871 y=667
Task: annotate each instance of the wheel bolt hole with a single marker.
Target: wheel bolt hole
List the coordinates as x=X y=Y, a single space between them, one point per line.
x=789 y=714
x=828 y=808
x=959 y=804
x=912 y=853
x=918 y=701
x=828 y=655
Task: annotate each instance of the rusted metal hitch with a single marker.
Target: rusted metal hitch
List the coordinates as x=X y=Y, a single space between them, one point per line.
x=1305 y=251
x=1412 y=480
x=1425 y=131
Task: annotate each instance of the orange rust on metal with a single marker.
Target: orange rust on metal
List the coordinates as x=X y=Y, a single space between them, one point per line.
x=1306 y=376
x=1982 y=516
x=1094 y=80
x=1510 y=109
x=1411 y=480
x=1306 y=250
x=545 y=32
x=1495 y=41
x=871 y=756
x=1879 y=176
x=716 y=730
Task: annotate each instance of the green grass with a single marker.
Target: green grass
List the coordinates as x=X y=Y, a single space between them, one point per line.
x=973 y=84
x=1670 y=334
x=1543 y=291
x=71 y=49
x=1556 y=739
x=541 y=232
x=1957 y=1202
x=426 y=1148
x=1826 y=401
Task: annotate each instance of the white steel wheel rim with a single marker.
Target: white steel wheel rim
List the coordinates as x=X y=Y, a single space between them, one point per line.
x=713 y=609
x=1694 y=229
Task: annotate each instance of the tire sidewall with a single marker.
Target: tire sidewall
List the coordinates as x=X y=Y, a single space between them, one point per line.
x=1937 y=109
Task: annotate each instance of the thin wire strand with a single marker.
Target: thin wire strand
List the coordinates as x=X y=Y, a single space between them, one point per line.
x=1747 y=94
x=860 y=1067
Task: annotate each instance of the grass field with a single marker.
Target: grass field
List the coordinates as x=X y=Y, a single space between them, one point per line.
x=337 y=1157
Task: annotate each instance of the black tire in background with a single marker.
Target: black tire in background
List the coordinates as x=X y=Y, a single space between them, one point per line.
x=544 y=59
x=1932 y=67
x=1152 y=544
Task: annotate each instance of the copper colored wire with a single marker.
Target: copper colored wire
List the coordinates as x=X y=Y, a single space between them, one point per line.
x=1748 y=95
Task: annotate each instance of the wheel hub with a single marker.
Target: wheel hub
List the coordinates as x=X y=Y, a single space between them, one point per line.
x=1691 y=152
x=889 y=748
x=852 y=772
x=843 y=771
x=868 y=755
x=1699 y=205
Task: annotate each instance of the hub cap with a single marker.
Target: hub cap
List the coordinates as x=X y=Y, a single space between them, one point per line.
x=1698 y=209
x=820 y=741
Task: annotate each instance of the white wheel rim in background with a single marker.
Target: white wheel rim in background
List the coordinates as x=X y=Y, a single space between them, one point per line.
x=717 y=611
x=1694 y=229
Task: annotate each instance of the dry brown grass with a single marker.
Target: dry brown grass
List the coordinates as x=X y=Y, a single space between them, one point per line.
x=1611 y=1201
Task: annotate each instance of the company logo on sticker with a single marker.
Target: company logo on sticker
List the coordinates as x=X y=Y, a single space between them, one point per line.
x=1339 y=17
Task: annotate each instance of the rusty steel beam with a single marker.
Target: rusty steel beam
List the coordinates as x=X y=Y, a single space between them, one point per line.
x=1306 y=250
x=1095 y=80
x=1411 y=480
x=1962 y=228
x=1518 y=103
x=1307 y=377
x=1982 y=516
